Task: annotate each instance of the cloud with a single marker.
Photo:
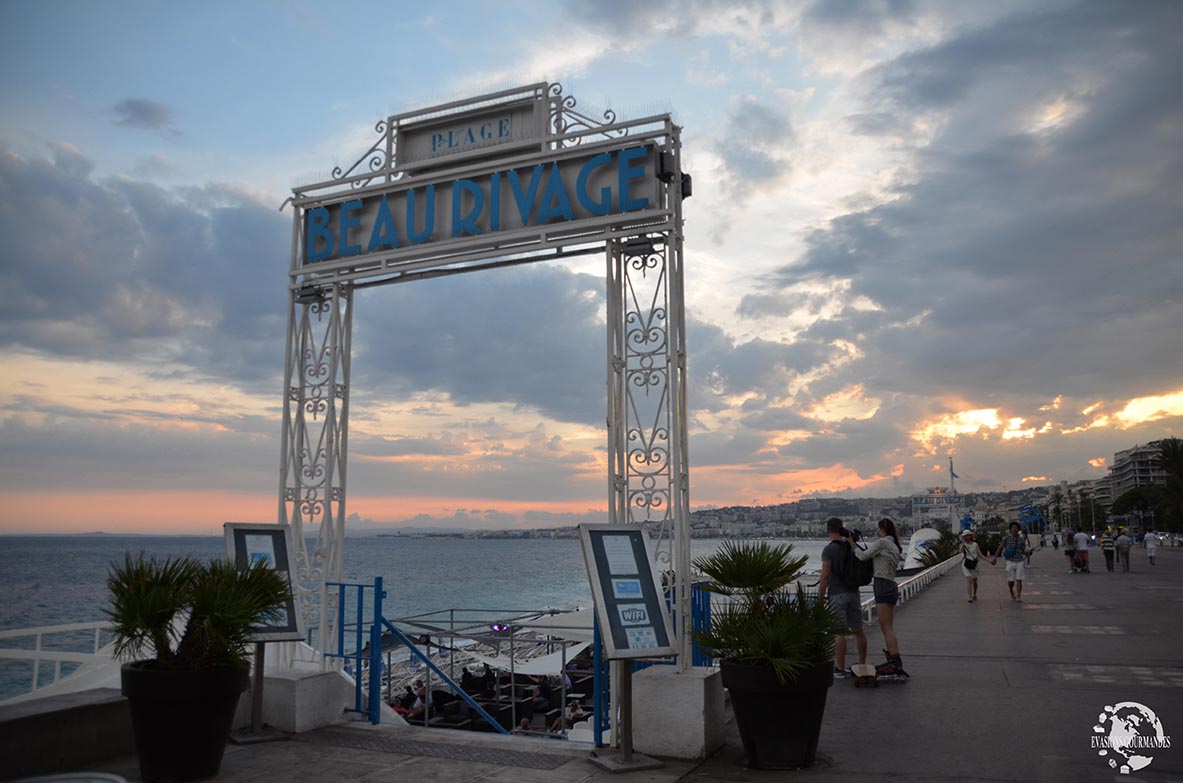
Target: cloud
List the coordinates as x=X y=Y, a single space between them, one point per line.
x=154 y=166
x=146 y=114
x=122 y=269
x=1015 y=262
x=751 y=146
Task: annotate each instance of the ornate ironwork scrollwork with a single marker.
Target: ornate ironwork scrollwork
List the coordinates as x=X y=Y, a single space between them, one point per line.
x=315 y=432
x=645 y=369
x=374 y=158
x=566 y=119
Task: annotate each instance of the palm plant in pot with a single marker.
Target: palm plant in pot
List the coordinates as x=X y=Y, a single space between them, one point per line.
x=194 y=620
x=775 y=646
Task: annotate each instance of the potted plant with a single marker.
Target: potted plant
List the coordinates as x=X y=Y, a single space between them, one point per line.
x=775 y=647
x=195 y=619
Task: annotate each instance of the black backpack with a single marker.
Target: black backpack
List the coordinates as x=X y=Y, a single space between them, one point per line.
x=851 y=570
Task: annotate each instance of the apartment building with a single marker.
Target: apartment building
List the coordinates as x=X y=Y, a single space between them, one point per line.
x=1136 y=467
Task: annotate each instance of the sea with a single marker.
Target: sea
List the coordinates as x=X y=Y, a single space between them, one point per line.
x=54 y=580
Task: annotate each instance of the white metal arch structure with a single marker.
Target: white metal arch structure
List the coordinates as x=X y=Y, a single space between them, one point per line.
x=506 y=178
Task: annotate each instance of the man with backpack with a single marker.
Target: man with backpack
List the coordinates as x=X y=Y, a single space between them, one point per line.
x=839 y=587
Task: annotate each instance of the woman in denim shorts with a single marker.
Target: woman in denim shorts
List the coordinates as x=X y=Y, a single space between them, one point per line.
x=885 y=552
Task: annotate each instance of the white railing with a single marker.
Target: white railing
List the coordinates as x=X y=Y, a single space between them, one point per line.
x=38 y=653
x=912 y=585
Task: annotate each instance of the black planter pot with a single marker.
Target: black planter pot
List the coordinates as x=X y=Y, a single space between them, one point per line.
x=181 y=719
x=779 y=724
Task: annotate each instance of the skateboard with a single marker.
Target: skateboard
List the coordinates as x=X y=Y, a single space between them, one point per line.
x=865 y=675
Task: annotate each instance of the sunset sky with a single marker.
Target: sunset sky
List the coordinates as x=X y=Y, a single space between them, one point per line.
x=919 y=229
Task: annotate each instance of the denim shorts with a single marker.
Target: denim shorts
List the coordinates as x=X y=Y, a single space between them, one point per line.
x=850 y=609
x=886 y=592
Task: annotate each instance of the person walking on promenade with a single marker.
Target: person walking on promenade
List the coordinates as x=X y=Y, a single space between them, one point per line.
x=1123 y=548
x=842 y=595
x=1082 y=550
x=971 y=557
x=1151 y=540
x=1011 y=550
x=1107 y=547
x=885 y=557
x=1070 y=551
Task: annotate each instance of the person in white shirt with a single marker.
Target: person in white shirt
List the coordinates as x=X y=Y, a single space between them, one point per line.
x=1151 y=540
x=1082 y=549
x=1123 y=548
x=971 y=556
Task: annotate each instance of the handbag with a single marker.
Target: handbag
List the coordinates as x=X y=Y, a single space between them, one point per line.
x=969 y=562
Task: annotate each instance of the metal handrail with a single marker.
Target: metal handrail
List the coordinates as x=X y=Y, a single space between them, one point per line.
x=38 y=654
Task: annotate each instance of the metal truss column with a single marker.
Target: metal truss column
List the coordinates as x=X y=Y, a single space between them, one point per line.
x=647 y=432
x=315 y=446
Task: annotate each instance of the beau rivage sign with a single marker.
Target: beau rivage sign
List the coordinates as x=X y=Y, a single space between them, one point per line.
x=505 y=177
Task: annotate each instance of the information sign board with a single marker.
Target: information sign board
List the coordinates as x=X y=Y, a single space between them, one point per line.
x=629 y=601
x=250 y=543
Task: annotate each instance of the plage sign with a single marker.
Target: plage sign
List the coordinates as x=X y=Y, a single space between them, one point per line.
x=507 y=127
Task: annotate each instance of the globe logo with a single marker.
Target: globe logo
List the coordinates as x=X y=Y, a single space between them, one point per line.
x=1128 y=733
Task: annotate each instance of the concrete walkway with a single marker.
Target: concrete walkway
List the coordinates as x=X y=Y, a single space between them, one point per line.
x=1000 y=691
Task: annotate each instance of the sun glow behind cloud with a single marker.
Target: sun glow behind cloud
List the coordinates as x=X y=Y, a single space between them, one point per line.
x=1014 y=429
x=953 y=425
x=1144 y=409
x=849 y=403
x=985 y=422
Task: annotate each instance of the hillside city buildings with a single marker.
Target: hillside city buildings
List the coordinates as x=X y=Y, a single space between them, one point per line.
x=938 y=507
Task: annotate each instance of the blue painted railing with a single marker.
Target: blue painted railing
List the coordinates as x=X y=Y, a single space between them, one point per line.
x=360 y=656
x=370 y=653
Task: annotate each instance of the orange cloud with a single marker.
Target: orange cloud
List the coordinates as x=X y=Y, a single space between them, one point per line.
x=849 y=403
x=1098 y=462
x=951 y=425
x=1054 y=405
x=1014 y=429
x=1035 y=478
x=727 y=484
x=158 y=513
x=1144 y=409
x=204 y=513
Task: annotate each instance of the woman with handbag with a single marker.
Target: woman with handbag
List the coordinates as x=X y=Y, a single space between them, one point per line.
x=971 y=555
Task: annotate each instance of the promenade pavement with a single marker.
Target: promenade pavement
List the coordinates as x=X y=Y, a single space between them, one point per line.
x=1000 y=691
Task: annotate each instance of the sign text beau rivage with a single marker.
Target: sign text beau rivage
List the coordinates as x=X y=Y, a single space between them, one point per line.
x=571 y=185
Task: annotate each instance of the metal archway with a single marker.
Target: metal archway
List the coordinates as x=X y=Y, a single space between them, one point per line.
x=478 y=184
